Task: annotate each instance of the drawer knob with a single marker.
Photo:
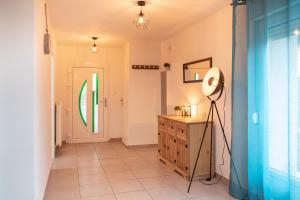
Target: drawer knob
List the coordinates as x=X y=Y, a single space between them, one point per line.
x=186 y=146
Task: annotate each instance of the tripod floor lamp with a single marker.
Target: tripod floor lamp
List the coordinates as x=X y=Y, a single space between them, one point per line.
x=213 y=85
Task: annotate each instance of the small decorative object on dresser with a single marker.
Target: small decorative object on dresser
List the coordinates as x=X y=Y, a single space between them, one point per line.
x=178 y=143
x=178 y=111
x=186 y=111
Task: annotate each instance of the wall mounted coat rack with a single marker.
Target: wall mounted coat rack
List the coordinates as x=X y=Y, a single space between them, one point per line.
x=150 y=67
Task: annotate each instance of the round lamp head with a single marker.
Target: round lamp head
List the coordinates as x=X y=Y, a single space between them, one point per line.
x=212 y=82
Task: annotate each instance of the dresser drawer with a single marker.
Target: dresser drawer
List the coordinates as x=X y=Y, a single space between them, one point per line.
x=162 y=123
x=171 y=126
x=181 y=131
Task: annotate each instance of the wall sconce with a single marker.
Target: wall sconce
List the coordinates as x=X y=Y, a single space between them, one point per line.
x=186 y=111
x=167 y=66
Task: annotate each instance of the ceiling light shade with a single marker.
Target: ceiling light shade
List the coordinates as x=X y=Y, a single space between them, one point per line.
x=141 y=22
x=94 y=48
x=212 y=82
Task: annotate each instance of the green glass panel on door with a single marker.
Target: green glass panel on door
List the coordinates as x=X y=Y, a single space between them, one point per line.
x=95 y=107
x=82 y=102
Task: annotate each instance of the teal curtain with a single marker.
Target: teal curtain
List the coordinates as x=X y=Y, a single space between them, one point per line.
x=239 y=125
x=274 y=99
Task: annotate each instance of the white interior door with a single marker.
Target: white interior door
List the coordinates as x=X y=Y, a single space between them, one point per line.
x=88 y=103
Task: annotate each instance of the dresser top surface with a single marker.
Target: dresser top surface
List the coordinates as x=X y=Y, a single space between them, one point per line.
x=186 y=120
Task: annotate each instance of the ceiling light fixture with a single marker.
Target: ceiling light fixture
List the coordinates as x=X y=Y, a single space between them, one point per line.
x=141 y=22
x=94 y=48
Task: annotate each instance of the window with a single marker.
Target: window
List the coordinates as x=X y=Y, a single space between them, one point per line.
x=283 y=104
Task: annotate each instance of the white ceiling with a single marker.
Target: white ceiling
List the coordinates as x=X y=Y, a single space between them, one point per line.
x=74 y=21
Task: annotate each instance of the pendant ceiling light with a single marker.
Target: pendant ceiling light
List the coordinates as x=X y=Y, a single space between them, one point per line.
x=141 y=22
x=94 y=48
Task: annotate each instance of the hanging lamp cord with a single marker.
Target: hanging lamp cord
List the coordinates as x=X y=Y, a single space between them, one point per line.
x=46 y=18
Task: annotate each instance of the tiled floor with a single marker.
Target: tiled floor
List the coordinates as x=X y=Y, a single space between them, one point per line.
x=110 y=171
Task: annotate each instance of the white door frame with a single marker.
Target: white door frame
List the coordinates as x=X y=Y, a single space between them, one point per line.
x=105 y=138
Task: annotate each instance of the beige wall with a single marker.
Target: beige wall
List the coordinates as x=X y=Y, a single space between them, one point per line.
x=210 y=37
x=125 y=127
x=112 y=59
x=143 y=94
x=25 y=114
x=43 y=113
x=17 y=99
x=135 y=122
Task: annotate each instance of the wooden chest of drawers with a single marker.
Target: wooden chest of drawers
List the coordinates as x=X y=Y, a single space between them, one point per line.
x=178 y=144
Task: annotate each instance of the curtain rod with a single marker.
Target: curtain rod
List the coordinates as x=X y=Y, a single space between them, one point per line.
x=238 y=2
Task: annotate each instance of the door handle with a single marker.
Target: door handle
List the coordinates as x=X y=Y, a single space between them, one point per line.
x=105 y=102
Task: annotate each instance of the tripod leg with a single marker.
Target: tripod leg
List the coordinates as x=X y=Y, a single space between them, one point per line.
x=210 y=111
x=211 y=142
x=229 y=151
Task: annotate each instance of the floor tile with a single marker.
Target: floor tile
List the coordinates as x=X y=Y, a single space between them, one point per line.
x=103 y=197
x=64 y=163
x=128 y=154
x=136 y=165
x=120 y=176
x=155 y=182
x=105 y=150
x=146 y=173
x=133 y=159
x=111 y=161
x=95 y=190
x=199 y=190
x=88 y=163
x=166 y=193
x=94 y=171
x=90 y=170
x=64 y=192
x=108 y=155
x=116 y=168
x=92 y=179
x=84 y=146
x=137 y=195
x=87 y=156
x=126 y=186
x=176 y=179
x=63 y=177
x=67 y=152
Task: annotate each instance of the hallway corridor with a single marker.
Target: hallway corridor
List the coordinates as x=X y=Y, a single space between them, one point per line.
x=109 y=171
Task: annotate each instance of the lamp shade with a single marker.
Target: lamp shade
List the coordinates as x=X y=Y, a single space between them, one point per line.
x=212 y=82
